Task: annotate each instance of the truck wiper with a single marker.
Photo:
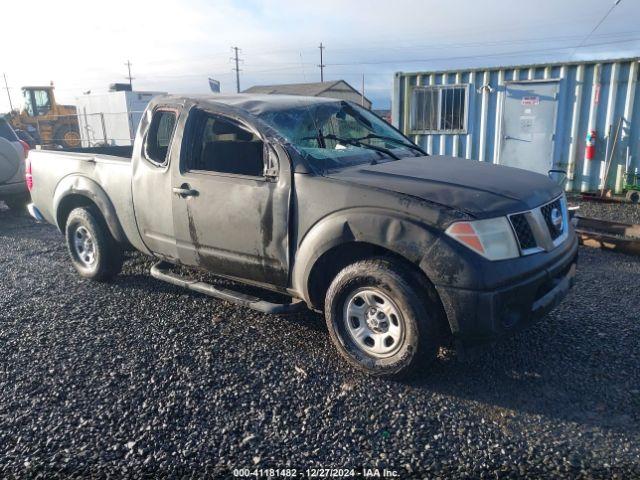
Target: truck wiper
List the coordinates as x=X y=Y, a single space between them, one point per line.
x=396 y=141
x=358 y=143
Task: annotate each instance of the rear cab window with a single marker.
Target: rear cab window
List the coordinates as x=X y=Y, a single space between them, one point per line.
x=159 y=136
x=7 y=132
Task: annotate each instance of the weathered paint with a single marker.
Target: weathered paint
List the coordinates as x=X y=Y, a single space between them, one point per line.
x=594 y=94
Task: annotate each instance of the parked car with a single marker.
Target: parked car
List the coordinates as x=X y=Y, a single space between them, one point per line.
x=13 y=151
x=320 y=200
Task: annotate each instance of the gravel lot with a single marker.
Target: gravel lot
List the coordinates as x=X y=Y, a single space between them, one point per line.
x=139 y=377
x=615 y=212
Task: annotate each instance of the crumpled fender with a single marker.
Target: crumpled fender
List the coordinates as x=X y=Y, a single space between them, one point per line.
x=400 y=233
x=80 y=185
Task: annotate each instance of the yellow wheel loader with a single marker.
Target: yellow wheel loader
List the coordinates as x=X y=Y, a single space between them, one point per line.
x=46 y=120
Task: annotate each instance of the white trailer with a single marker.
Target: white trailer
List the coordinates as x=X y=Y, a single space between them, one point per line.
x=111 y=118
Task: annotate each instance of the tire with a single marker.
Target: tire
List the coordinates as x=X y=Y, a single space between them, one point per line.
x=94 y=252
x=401 y=345
x=67 y=135
x=633 y=196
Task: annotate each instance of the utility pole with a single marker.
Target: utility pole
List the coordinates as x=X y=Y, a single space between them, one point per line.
x=237 y=69
x=6 y=86
x=128 y=64
x=322 y=65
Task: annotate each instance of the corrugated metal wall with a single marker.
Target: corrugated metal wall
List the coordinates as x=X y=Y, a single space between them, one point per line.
x=592 y=95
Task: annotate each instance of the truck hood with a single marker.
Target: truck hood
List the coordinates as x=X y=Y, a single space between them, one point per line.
x=477 y=188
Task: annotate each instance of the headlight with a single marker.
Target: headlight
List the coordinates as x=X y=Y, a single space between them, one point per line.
x=492 y=238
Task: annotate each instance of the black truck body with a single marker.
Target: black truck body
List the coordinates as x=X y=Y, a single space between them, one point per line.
x=303 y=195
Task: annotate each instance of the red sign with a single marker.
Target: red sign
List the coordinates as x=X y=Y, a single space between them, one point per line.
x=530 y=100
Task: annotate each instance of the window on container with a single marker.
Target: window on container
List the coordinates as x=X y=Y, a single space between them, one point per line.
x=159 y=137
x=439 y=108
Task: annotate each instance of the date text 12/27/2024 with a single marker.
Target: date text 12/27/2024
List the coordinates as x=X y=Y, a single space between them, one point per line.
x=363 y=472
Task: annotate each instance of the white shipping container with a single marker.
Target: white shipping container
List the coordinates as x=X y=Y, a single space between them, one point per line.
x=111 y=118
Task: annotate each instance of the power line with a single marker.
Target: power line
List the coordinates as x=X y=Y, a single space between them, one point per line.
x=322 y=65
x=128 y=64
x=465 y=57
x=237 y=69
x=617 y=2
x=6 y=87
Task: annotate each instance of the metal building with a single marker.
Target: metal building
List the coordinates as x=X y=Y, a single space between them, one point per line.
x=538 y=117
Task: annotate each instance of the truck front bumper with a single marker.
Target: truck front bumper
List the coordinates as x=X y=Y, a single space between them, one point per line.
x=480 y=316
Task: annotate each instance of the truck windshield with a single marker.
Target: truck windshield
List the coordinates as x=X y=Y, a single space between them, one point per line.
x=332 y=135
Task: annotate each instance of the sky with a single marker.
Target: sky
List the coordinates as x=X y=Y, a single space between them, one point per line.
x=174 y=46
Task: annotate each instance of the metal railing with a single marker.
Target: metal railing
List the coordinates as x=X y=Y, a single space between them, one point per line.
x=86 y=129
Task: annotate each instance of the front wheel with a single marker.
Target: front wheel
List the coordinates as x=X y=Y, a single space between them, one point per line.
x=68 y=136
x=383 y=318
x=95 y=254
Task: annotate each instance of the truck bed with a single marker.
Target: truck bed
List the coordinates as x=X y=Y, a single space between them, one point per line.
x=114 y=151
x=82 y=170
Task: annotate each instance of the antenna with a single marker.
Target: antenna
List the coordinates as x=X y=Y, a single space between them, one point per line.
x=6 y=87
x=322 y=65
x=128 y=64
x=237 y=69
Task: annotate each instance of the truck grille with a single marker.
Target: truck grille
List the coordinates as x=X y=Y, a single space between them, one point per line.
x=523 y=231
x=535 y=229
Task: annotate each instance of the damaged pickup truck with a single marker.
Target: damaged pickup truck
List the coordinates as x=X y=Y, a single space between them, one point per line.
x=320 y=200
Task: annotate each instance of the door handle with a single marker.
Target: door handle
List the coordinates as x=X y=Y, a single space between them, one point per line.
x=185 y=191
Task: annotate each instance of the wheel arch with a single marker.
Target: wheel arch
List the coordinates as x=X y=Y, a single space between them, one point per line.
x=78 y=191
x=349 y=236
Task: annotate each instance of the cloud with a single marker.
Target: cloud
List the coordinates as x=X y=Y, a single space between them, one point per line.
x=175 y=45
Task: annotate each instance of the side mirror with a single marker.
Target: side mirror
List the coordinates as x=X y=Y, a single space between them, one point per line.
x=271 y=166
x=559 y=176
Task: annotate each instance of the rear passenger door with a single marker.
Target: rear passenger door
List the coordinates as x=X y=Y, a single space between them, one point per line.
x=230 y=216
x=151 y=181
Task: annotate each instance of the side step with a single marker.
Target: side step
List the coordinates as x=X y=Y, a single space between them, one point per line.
x=162 y=271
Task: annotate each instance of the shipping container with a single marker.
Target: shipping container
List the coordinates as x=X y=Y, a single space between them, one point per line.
x=538 y=117
x=111 y=118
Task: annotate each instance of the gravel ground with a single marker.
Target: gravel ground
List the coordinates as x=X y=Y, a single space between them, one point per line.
x=140 y=378
x=615 y=212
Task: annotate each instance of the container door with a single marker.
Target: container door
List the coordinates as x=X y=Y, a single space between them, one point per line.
x=528 y=125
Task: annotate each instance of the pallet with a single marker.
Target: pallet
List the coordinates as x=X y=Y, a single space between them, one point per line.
x=620 y=237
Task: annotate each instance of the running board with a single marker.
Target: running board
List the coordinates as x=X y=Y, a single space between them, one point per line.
x=162 y=271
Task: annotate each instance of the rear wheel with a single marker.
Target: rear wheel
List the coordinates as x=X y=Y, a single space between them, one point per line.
x=382 y=318
x=633 y=196
x=94 y=252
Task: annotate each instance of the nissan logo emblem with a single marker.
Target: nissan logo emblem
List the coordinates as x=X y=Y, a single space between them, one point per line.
x=556 y=219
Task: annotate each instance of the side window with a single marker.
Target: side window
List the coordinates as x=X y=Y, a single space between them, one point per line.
x=225 y=146
x=28 y=104
x=7 y=132
x=43 y=103
x=159 y=136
